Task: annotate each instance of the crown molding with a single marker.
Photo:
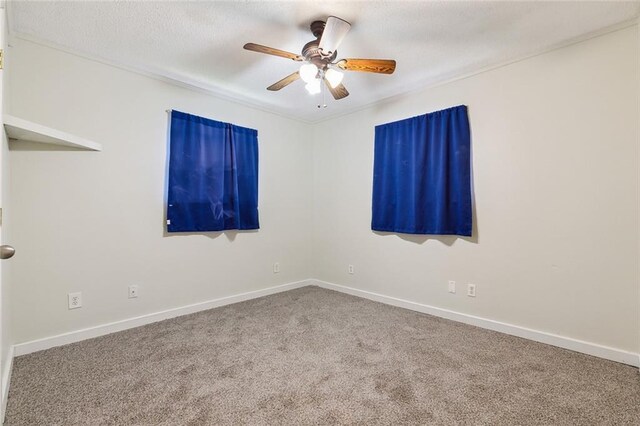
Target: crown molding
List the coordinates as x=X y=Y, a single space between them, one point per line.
x=217 y=92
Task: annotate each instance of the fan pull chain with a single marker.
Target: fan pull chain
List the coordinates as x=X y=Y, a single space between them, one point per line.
x=322 y=92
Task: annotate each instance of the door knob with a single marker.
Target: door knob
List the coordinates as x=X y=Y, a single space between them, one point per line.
x=7 y=252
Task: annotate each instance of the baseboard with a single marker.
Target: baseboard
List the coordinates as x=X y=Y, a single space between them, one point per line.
x=588 y=348
x=101 y=330
x=6 y=381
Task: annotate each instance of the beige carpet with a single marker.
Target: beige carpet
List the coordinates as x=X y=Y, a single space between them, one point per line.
x=314 y=356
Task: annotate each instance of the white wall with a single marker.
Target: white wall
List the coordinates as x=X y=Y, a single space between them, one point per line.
x=555 y=164
x=93 y=222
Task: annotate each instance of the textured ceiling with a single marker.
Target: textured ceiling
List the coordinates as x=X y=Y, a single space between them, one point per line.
x=200 y=43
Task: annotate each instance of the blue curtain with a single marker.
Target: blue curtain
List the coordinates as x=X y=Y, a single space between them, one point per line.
x=422 y=175
x=213 y=175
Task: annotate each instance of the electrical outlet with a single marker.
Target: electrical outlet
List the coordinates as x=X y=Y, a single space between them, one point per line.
x=351 y=270
x=276 y=268
x=471 y=290
x=452 y=286
x=75 y=300
x=133 y=291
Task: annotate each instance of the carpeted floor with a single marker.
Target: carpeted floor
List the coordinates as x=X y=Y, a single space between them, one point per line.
x=314 y=356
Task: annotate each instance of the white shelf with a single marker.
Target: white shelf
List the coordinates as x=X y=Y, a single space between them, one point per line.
x=23 y=130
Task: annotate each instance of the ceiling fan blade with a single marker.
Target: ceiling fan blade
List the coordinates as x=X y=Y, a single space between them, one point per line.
x=334 y=31
x=271 y=51
x=380 y=66
x=284 y=82
x=338 y=92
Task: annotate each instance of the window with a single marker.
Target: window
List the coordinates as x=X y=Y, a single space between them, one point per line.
x=422 y=175
x=213 y=175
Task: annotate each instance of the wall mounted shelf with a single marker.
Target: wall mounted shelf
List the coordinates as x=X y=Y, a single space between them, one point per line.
x=22 y=130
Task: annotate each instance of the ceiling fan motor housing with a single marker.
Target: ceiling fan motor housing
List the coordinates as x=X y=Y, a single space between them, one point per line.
x=312 y=52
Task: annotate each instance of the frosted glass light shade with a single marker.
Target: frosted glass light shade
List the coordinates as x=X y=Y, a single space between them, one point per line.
x=308 y=72
x=333 y=77
x=313 y=87
x=334 y=31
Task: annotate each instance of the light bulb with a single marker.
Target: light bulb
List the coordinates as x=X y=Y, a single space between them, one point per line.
x=313 y=87
x=333 y=77
x=308 y=72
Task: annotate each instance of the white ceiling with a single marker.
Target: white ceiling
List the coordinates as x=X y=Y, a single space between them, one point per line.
x=200 y=43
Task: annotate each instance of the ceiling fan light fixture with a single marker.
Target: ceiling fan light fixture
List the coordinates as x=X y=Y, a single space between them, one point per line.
x=333 y=77
x=308 y=72
x=313 y=87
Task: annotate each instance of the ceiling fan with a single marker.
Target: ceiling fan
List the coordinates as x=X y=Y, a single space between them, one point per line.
x=319 y=55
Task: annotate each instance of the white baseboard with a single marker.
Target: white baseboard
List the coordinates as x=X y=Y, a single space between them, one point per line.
x=101 y=330
x=6 y=381
x=594 y=349
x=589 y=348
